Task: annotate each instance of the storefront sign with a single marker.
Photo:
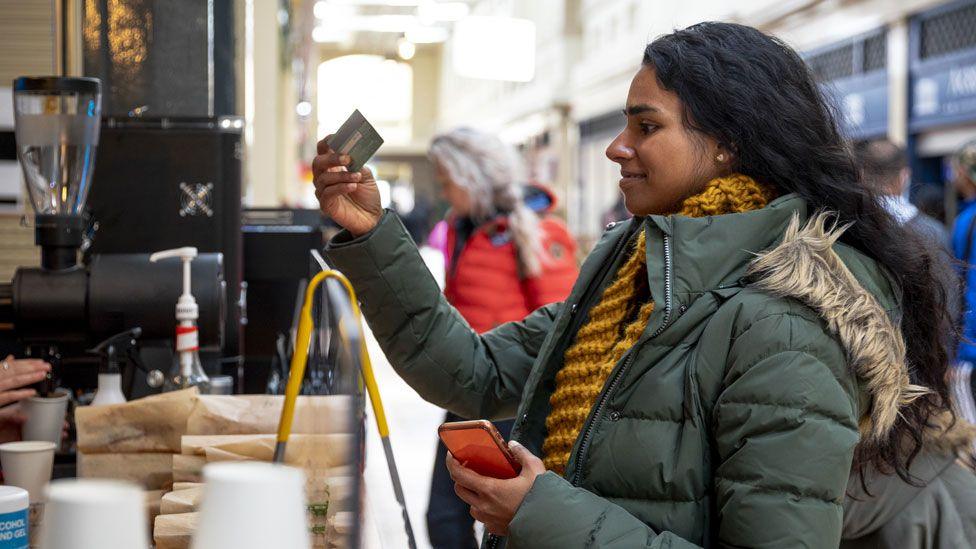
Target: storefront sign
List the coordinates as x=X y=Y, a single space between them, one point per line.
x=862 y=104
x=944 y=91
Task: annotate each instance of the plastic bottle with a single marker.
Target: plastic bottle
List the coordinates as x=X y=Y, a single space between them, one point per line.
x=113 y=352
x=187 y=370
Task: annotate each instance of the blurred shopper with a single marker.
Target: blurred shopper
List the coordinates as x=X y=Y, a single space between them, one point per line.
x=935 y=507
x=930 y=199
x=884 y=167
x=964 y=247
x=688 y=392
x=505 y=258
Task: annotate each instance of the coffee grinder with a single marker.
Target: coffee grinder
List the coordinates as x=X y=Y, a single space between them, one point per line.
x=56 y=124
x=62 y=308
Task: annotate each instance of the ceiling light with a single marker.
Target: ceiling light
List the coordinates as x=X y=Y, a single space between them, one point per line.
x=430 y=12
x=371 y=23
x=391 y=3
x=406 y=49
x=327 y=35
x=511 y=59
x=329 y=10
x=426 y=35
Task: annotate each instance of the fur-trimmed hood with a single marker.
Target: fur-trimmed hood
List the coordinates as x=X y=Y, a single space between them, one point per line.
x=805 y=266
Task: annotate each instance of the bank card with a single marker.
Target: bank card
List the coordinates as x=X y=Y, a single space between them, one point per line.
x=357 y=138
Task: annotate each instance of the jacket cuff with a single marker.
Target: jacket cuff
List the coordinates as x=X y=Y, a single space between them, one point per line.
x=345 y=238
x=363 y=258
x=549 y=506
x=556 y=514
x=384 y=266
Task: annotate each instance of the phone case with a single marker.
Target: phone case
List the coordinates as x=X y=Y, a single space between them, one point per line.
x=480 y=447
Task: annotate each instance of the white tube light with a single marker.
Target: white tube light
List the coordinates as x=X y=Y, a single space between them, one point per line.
x=510 y=57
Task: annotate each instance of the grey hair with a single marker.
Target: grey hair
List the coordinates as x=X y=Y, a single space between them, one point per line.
x=492 y=172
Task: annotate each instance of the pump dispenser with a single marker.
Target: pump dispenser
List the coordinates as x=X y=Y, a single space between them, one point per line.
x=187 y=370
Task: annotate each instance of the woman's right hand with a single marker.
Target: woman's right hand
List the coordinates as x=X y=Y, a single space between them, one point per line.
x=351 y=199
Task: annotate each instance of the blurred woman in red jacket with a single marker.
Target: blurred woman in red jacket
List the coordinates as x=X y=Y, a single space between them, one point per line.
x=505 y=257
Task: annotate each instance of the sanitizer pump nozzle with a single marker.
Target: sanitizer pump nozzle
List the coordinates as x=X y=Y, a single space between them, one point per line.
x=187 y=370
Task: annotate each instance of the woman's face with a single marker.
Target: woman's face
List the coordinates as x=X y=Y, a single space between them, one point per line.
x=455 y=195
x=661 y=161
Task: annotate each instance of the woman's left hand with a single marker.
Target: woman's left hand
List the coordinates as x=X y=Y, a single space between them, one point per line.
x=494 y=501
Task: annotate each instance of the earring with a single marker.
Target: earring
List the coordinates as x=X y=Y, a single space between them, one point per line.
x=720 y=157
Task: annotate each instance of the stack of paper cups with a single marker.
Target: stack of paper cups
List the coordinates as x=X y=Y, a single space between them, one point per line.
x=13 y=517
x=94 y=514
x=252 y=505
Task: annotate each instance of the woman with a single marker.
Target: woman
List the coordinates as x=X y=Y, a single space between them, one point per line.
x=724 y=359
x=494 y=224
x=15 y=374
x=502 y=262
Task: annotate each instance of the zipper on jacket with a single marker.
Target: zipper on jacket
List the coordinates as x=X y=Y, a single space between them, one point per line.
x=668 y=305
x=621 y=242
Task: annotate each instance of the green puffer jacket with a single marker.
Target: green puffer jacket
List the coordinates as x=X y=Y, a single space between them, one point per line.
x=732 y=422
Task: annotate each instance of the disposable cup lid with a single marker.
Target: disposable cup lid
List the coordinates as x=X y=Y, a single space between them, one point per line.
x=13 y=498
x=28 y=446
x=93 y=492
x=252 y=473
x=58 y=398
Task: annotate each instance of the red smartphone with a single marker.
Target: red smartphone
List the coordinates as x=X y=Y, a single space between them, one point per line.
x=480 y=447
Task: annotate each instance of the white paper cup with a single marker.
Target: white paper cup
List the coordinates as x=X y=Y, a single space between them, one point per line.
x=45 y=417
x=94 y=514
x=252 y=505
x=28 y=464
x=13 y=517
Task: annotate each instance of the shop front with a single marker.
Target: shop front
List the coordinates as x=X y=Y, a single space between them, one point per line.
x=942 y=114
x=854 y=76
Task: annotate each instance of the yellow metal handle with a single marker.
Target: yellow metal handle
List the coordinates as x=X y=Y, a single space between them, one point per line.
x=300 y=358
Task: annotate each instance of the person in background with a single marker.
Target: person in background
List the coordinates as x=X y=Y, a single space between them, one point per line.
x=884 y=166
x=505 y=257
x=930 y=199
x=15 y=376
x=964 y=246
x=937 y=508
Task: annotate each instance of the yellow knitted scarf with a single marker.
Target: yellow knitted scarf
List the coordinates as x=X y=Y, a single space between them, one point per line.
x=618 y=320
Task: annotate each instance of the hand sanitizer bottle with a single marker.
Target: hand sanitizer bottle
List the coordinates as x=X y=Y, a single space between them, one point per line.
x=187 y=370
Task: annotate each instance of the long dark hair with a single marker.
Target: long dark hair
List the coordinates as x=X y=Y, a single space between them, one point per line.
x=756 y=96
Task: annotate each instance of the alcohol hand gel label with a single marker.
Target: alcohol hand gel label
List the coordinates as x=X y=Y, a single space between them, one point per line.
x=13 y=530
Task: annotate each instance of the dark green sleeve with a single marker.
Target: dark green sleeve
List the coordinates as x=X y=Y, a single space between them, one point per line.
x=557 y=515
x=425 y=339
